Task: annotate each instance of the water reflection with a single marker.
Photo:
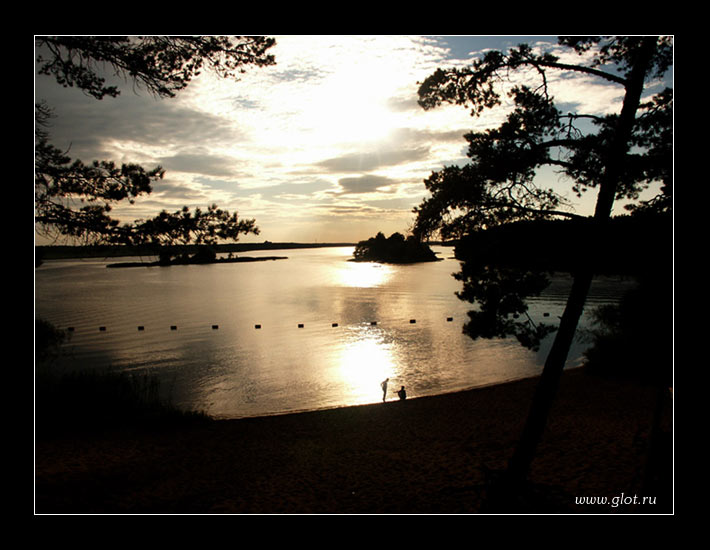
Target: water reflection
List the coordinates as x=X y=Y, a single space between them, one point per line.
x=364 y=362
x=317 y=346
x=363 y=274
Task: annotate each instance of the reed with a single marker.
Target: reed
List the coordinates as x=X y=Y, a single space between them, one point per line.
x=102 y=400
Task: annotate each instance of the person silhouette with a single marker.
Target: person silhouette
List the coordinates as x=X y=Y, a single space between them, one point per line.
x=402 y=394
x=383 y=385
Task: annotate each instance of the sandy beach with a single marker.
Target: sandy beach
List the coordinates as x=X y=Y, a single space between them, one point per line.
x=429 y=455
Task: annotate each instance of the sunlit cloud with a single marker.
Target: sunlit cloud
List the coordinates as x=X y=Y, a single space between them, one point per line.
x=372 y=159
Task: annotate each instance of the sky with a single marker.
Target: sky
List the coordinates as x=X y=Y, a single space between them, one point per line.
x=327 y=145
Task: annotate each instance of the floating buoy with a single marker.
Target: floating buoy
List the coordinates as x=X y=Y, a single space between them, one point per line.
x=141 y=328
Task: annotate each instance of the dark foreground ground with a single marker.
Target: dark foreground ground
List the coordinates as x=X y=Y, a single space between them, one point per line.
x=426 y=455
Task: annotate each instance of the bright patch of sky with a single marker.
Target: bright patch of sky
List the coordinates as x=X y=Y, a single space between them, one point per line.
x=327 y=145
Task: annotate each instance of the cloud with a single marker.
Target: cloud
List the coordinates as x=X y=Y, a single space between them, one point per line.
x=304 y=192
x=372 y=160
x=364 y=184
x=131 y=124
x=202 y=162
x=403 y=104
x=176 y=191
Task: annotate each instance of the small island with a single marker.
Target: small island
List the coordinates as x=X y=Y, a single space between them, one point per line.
x=395 y=249
x=204 y=255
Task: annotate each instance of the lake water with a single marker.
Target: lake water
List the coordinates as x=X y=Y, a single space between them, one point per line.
x=199 y=334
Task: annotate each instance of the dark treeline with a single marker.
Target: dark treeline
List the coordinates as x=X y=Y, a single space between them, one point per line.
x=53 y=252
x=630 y=245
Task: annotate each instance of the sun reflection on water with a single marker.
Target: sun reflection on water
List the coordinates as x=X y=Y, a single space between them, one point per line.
x=363 y=274
x=364 y=363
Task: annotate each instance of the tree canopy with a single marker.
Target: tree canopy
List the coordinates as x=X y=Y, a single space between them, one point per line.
x=163 y=65
x=74 y=199
x=498 y=185
x=618 y=154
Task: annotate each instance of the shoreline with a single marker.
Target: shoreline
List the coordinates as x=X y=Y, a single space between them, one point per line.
x=237 y=260
x=391 y=399
x=65 y=252
x=393 y=262
x=429 y=455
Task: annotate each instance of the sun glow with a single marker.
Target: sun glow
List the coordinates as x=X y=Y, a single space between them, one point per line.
x=344 y=112
x=361 y=121
x=364 y=364
x=354 y=81
x=363 y=274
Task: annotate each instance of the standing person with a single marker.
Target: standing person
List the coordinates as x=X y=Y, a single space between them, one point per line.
x=402 y=394
x=384 y=388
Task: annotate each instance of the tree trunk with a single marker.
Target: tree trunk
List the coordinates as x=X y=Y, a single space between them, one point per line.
x=508 y=488
x=550 y=378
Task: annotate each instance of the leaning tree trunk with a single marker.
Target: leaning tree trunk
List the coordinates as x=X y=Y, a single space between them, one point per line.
x=520 y=462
